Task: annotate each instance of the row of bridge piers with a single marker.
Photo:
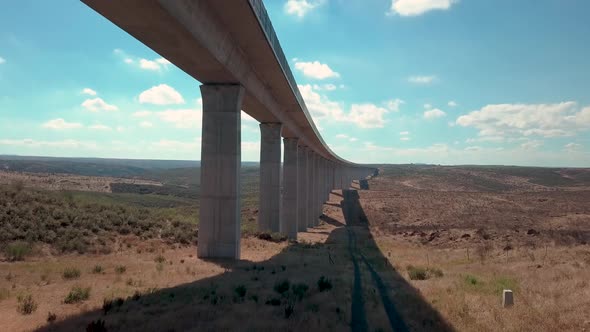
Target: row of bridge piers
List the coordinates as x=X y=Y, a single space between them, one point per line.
x=290 y=201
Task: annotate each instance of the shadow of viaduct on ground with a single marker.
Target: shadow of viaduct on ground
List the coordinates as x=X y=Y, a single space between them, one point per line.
x=379 y=298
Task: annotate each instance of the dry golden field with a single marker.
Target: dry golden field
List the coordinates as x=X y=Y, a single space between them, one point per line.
x=423 y=249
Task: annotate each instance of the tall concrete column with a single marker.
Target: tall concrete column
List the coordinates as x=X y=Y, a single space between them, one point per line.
x=269 y=212
x=302 y=189
x=310 y=187
x=219 y=216
x=316 y=188
x=289 y=210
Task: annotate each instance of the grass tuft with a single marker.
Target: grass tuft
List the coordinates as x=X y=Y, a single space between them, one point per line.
x=77 y=294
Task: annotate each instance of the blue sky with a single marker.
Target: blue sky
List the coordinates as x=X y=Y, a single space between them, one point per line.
x=392 y=81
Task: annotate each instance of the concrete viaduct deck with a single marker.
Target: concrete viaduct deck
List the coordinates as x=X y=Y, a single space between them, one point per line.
x=231 y=47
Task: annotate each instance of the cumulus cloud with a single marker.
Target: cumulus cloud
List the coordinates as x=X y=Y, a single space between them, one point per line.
x=452 y=104
x=404 y=133
x=363 y=115
x=97 y=104
x=572 y=147
x=31 y=143
x=434 y=114
x=182 y=118
x=2 y=60
x=300 y=8
x=543 y=120
x=141 y=114
x=394 y=104
x=146 y=124
x=162 y=94
x=423 y=80
x=325 y=87
x=316 y=70
x=100 y=127
x=61 y=124
x=88 y=91
x=531 y=145
x=418 y=7
x=404 y=138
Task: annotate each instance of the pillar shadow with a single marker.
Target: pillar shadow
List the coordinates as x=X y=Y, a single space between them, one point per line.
x=214 y=303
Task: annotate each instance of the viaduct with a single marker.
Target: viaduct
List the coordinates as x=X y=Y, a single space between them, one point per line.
x=231 y=47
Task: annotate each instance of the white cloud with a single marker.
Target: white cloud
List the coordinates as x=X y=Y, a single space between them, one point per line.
x=100 y=127
x=394 y=104
x=31 y=143
x=452 y=104
x=353 y=139
x=363 y=115
x=572 y=147
x=128 y=60
x=161 y=95
x=531 y=145
x=146 y=124
x=342 y=136
x=148 y=64
x=404 y=138
x=418 y=7
x=120 y=129
x=88 y=91
x=316 y=70
x=141 y=114
x=473 y=148
x=183 y=118
x=367 y=115
x=325 y=87
x=97 y=104
x=422 y=79
x=300 y=8
x=434 y=114
x=2 y=60
x=543 y=120
x=427 y=106
x=61 y=124
x=404 y=133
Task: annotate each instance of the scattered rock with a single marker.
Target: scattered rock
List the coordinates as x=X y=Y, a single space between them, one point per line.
x=532 y=232
x=508 y=247
x=465 y=236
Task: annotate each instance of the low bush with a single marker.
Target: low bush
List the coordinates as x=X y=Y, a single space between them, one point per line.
x=324 y=284
x=282 y=286
x=26 y=304
x=422 y=273
x=240 y=291
x=120 y=269
x=17 y=251
x=299 y=290
x=71 y=273
x=77 y=294
x=97 y=269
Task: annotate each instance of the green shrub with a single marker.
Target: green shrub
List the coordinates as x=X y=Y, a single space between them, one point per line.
x=71 y=273
x=120 y=269
x=97 y=269
x=471 y=280
x=160 y=259
x=26 y=304
x=240 y=291
x=299 y=290
x=17 y=251
x=324 y=284
x=416 y=273
x=4 y=293
x=77 y=294
x=282 y=286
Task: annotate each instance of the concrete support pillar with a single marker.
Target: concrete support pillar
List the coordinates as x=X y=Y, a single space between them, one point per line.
x=316 y=189
x=302 y=189
x=310 y=183
x=289 y=210
x=219 y=216
x=269 y=212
